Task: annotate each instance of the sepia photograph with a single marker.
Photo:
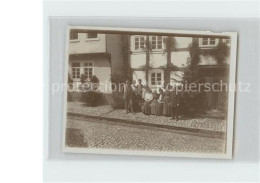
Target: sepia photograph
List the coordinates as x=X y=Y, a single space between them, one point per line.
x=149 y=92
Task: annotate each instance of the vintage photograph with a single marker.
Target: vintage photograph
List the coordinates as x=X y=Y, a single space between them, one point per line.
x=149 y=92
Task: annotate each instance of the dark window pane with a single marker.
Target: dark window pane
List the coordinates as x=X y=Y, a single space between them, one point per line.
x=92 y=35
x=73 y=35
x=75 y=64
x=212 y=41
x=204 y=41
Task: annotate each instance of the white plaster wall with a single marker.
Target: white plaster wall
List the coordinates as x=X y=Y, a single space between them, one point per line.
x=158 y=59
x=183 y=42
x=104 y=75
x=101 y=69
x=139 y=75
x=137 y=60
x=180 y=58
x=83 y=45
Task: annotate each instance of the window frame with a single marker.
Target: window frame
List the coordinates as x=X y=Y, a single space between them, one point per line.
x=72 y=70
x=156 y=78
x=209 y=39
x=225 y=41
x=139 y=43
x=87 y=67
x=81 y=68
x=74 y=40
x=156 y=43
x=92 y=39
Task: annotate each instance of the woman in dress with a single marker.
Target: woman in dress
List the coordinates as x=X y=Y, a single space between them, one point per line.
x=166 y=103
x=134 y=98
x=148 y=98
x=159 y=105
x=154 y=103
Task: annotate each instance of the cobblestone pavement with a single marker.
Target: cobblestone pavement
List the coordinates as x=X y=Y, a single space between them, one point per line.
x=81 y=108
x=106 y=134
x=108 y=112
x=197 y=123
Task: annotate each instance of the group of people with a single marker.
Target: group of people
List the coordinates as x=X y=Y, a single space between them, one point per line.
x=140 y=98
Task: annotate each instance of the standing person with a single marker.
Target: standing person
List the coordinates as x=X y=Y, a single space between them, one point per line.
x=154 y=103
x=148 y=98
x=139 y=94
x=166 y=102
x=128 y=97
x=134 y=96
x=175 y=100
x=159 y=105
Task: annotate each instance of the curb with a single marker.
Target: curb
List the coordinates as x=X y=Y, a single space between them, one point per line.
x=199 y=132
x=214 y=117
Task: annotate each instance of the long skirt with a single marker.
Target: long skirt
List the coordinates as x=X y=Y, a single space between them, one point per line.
x=153 y=106
x=166 y=106
x=159 y=109
x=146 y=107
x=139 y=103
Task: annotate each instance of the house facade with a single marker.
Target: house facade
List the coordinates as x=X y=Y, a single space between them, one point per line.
x=214 y=72
x=208 y=66
x=158 y=59
x=96 y=54
x=104 y=55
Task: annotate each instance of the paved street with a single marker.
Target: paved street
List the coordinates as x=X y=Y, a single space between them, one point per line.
x=106 y=111
x=106 y=134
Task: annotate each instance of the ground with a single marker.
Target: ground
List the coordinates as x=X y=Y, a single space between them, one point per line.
x=104 y=127
x=107 y=134
x=205 y=123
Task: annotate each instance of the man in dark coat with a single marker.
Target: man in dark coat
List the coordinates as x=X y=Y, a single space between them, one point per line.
x=128 y=97
x=139 y=94
x=175 y=102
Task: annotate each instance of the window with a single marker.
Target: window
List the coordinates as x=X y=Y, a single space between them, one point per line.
x=156 y=78
x=92 y=35
x=204 y=41
x=227 y=41
x=157 y=42
x=88 y=69
x=139 y=43
x=208 y=42
x=75 y=70
x=73 y=35
x=212 y=41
